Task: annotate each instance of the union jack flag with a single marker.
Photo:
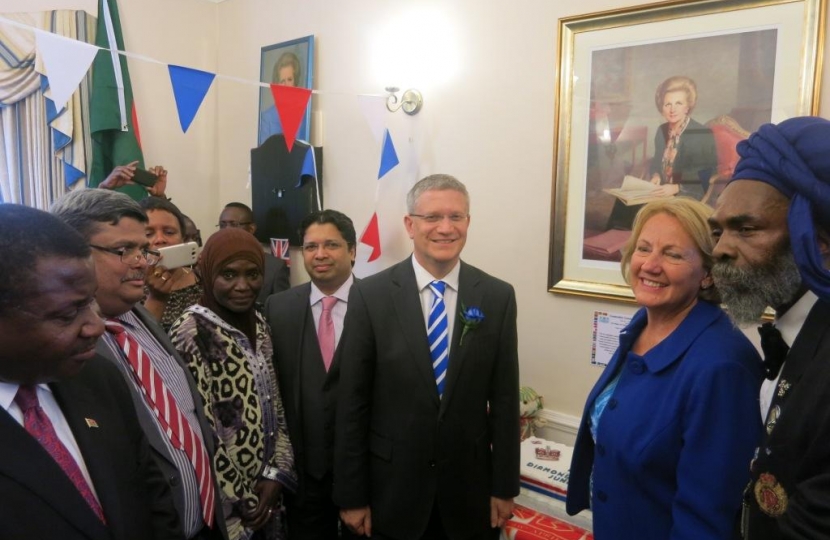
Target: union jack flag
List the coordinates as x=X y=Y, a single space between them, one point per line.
x=279 y=248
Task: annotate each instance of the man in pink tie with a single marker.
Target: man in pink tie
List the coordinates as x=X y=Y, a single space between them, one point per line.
x=169 y=408
x=306 y=324
x=74 y=462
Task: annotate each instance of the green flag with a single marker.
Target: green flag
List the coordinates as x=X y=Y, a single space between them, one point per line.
x=112 y=118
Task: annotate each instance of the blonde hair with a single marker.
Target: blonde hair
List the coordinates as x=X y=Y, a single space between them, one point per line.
x=676 y=83
x=693 y=216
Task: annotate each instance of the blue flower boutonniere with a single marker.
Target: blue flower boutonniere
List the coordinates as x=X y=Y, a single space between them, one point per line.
x=471 y=317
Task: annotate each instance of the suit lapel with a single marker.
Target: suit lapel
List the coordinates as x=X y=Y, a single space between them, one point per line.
x=145 y=417
x=802 y=355
x=469 y=295
x=302 y=307
x=77 y=404
x=407 y=301
x=25 y=460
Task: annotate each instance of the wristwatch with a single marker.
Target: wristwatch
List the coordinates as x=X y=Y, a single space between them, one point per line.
x=270 y=473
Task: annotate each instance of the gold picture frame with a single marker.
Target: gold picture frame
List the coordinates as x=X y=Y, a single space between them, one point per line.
x=753 y=61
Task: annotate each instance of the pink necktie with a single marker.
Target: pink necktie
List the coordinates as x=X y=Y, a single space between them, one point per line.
x=40 y=427
x=325 y=331
x=164 y=405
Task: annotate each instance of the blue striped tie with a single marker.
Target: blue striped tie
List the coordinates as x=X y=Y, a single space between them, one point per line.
x=438 y=335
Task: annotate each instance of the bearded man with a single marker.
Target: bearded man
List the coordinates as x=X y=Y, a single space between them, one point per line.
x=772 y=225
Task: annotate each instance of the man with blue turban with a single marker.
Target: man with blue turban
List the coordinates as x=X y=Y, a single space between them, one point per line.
x=772 y=224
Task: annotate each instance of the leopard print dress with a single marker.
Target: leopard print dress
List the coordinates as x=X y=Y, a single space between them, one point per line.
x=242 y=402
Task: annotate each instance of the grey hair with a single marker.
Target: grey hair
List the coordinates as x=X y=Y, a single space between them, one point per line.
x=435 y=182
x=86 y=209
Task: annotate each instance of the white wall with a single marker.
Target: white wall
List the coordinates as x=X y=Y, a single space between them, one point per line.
x=491 y=125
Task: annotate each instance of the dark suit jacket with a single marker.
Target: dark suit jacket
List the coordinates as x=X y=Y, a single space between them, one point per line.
x=401 y=449
x=290 y=318
x=696 y=159
x=39 y=500
x=148 y=421
x=276 y=278
x=797 y=452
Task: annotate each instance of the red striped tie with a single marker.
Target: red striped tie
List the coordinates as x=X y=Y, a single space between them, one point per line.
x=172 y=420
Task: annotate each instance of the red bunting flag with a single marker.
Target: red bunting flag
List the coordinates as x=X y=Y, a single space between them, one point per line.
x=291 y=103
x=371 y=237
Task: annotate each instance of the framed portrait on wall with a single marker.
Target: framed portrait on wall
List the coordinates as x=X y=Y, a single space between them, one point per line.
x=289 y=63
x=651 y=102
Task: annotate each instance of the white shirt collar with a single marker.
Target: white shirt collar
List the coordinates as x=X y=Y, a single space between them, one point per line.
x=9 y=390
x=423 y=278
x=790 y=323
x=341 y=294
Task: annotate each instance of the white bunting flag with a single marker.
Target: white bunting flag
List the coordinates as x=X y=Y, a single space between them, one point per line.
x=66 y=61
x=374 y=111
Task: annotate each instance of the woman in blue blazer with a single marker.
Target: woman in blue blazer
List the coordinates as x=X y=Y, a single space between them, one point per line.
x=668 y=432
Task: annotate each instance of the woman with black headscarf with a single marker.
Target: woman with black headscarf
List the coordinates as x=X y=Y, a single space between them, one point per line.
x=226 y=345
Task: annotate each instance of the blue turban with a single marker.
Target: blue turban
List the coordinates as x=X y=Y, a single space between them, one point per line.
x=794 y=158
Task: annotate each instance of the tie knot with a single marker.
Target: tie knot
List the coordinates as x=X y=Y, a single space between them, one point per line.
x=438 y=288
x=328 y=302
x=113 y=326
x=26 y=398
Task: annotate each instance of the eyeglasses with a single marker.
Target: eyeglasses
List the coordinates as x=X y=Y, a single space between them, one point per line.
x=233 y=224
x=132 y=255
x=328 y=245
x=437 y=218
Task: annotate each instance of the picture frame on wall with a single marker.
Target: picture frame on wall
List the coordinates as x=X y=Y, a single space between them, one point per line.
x=290 y=63
x=732 y=66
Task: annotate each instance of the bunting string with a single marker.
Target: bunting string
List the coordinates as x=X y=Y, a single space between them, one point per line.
x=144 y=58
x=191 y=84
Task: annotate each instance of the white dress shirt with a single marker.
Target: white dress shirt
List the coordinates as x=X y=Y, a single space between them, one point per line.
x=50 y=407
x=789 y=324
x=338 y=312
x=423 y=278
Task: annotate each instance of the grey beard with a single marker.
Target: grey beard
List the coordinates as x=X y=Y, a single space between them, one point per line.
x=747 y=292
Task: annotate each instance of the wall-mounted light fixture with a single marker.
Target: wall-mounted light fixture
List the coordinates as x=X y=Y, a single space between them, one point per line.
x=411 y=101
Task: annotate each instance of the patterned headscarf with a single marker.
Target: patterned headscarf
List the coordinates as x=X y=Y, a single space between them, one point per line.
x=223 y=247
x=794 y=158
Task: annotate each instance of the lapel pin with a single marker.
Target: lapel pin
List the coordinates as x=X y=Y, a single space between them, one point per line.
x=783 y=386
x=91 y=423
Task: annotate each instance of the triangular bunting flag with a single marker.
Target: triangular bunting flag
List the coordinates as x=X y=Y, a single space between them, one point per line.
x=374 y=109
x=66 y=61
x=189 y=88
x=371 y=237
x=388 y=156
x=291 y=103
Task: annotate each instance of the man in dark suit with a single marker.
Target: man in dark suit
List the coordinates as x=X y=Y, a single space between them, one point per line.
x=114 y=227
x=277 y=275
x=74 y=463
x=428 y=410
x=772 y=223
x=306 y=325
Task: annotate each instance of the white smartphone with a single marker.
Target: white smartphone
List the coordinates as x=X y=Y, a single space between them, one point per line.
x=179 y=255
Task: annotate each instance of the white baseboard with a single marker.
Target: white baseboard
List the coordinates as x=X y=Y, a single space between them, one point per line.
x=556 y=426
